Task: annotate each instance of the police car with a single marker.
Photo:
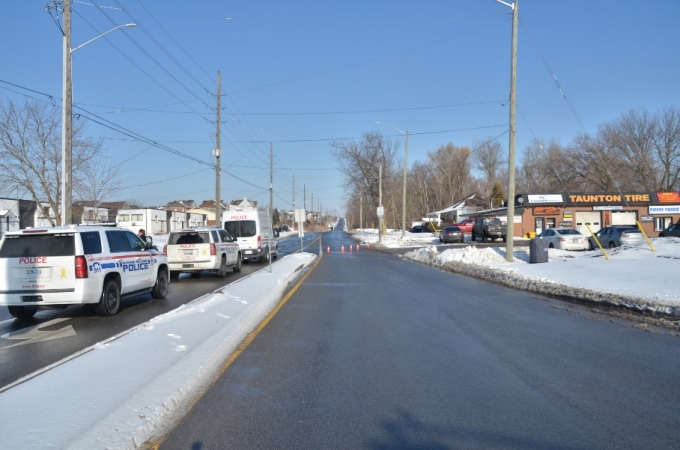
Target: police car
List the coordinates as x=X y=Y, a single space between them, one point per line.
x=194 y=250
x=51 y=268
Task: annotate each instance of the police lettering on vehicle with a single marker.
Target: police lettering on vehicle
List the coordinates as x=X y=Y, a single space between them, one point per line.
x=133 y=266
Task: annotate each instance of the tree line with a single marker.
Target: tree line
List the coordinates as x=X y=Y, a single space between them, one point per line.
x=30 y=158
x=638 y=151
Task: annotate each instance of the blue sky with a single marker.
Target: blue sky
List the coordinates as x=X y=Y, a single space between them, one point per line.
x=299 y=74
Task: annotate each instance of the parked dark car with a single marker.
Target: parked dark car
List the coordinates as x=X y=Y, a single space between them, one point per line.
x=450 y=234
x=284 y=228
x=416 y=229
x=672 y=230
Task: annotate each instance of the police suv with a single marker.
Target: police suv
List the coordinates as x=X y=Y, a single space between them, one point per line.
x=52 y=268
x=197 y=249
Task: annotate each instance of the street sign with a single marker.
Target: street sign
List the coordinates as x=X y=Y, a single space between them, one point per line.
x=381 y=211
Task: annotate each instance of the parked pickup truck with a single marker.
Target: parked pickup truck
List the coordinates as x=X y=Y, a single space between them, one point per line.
x=489 y=229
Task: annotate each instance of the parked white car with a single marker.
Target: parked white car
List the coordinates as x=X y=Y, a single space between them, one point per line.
x=194 y=250
x=52 y=268
x=565 y=239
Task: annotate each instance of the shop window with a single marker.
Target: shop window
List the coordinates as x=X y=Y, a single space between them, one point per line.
x=661 y=223
x=550 y=223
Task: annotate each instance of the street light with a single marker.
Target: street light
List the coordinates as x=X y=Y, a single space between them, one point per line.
x=510 y=232
x=67 y=114
x=403 y=198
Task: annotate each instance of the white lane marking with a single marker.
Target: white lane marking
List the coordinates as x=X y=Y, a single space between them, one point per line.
x=34 y=334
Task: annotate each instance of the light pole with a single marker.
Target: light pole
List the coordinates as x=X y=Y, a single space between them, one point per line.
x=403 y=197
x=510 y=232
x=67 y=115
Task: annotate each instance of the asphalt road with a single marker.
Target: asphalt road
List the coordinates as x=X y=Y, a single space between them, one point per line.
x=28 y=346
x=376 y=352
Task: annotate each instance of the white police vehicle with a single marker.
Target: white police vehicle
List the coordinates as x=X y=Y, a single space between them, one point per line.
x=52 y=268
x=194 y=250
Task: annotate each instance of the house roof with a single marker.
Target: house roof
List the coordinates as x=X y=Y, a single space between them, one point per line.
x=453 y=207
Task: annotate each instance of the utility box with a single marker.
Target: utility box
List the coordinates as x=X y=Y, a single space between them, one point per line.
x=538 y=251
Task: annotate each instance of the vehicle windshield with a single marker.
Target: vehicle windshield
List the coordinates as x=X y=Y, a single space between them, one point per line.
x=38 y=245
x=193 y=237
x=496 y=221
x=241 y=228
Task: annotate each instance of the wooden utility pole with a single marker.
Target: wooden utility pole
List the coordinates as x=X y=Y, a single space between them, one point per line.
x=218 y=155
x=67 y=122
x=293 y=227
x=271 y=182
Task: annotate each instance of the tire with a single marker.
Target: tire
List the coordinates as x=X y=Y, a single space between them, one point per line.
x=473 y=237
x=160 y=289
x=486 y=237
x=590 y=246
x=237 y=266
x=21 y=313
x=109 y=303
x=612 y=244
x=505 y=238
x=551 y=245
x=265 y=257
x=174 y=275
x=222 y=271
x=276 y=253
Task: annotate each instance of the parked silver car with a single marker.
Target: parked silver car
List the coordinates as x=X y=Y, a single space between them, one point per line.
x=564 y=238
x=615 y=236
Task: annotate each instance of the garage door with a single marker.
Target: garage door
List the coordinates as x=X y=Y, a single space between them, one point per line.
x=590 y=218
x=624 y=218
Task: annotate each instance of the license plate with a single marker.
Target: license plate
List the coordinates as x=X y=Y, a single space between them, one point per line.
x=188 y=252
x=576 y=240
x=249 y=252
x=187 y=266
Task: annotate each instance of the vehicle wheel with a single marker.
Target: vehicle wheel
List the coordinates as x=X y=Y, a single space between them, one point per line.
x=20 y=312
x=486 y=237
x=237 y=266
x=174 y=274
x=551 y=245
x=265 y=257
x=612 y=244
x=590 y=246
x=109 y=304
x=160 y=289
x=505 y=239
x=276 y=253
x=473 y=237
x=222 y=271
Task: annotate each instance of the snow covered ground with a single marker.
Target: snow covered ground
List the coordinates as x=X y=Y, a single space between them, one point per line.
x=634 y=276
x=128 y=389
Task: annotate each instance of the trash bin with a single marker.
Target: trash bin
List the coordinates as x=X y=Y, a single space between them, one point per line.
x=532 y=234
x=538 y=251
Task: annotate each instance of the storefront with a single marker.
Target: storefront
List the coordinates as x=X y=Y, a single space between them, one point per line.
x=591 y=211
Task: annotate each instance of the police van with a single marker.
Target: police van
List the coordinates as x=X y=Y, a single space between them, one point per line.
x=52 y=268
x=194 y=250
x=253 y=232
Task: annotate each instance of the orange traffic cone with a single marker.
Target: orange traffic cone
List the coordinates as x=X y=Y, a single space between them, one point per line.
x=368 y=246
x=357 y=247
x=328 y=250
x=342 y=249
x=350 y=248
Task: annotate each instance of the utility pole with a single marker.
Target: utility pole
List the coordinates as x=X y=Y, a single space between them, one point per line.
x=67 y=122
x=510 y=232
x=361 y=212
x=271 y=181
x=218 y=155
x=293 y=227
x=380 y=219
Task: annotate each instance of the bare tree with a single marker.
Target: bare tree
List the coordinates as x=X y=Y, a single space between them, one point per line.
x=359 y=162
x=667 y=143
x=96 y=180
x=450 y=166
x=30 y=152
x=489 y=158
